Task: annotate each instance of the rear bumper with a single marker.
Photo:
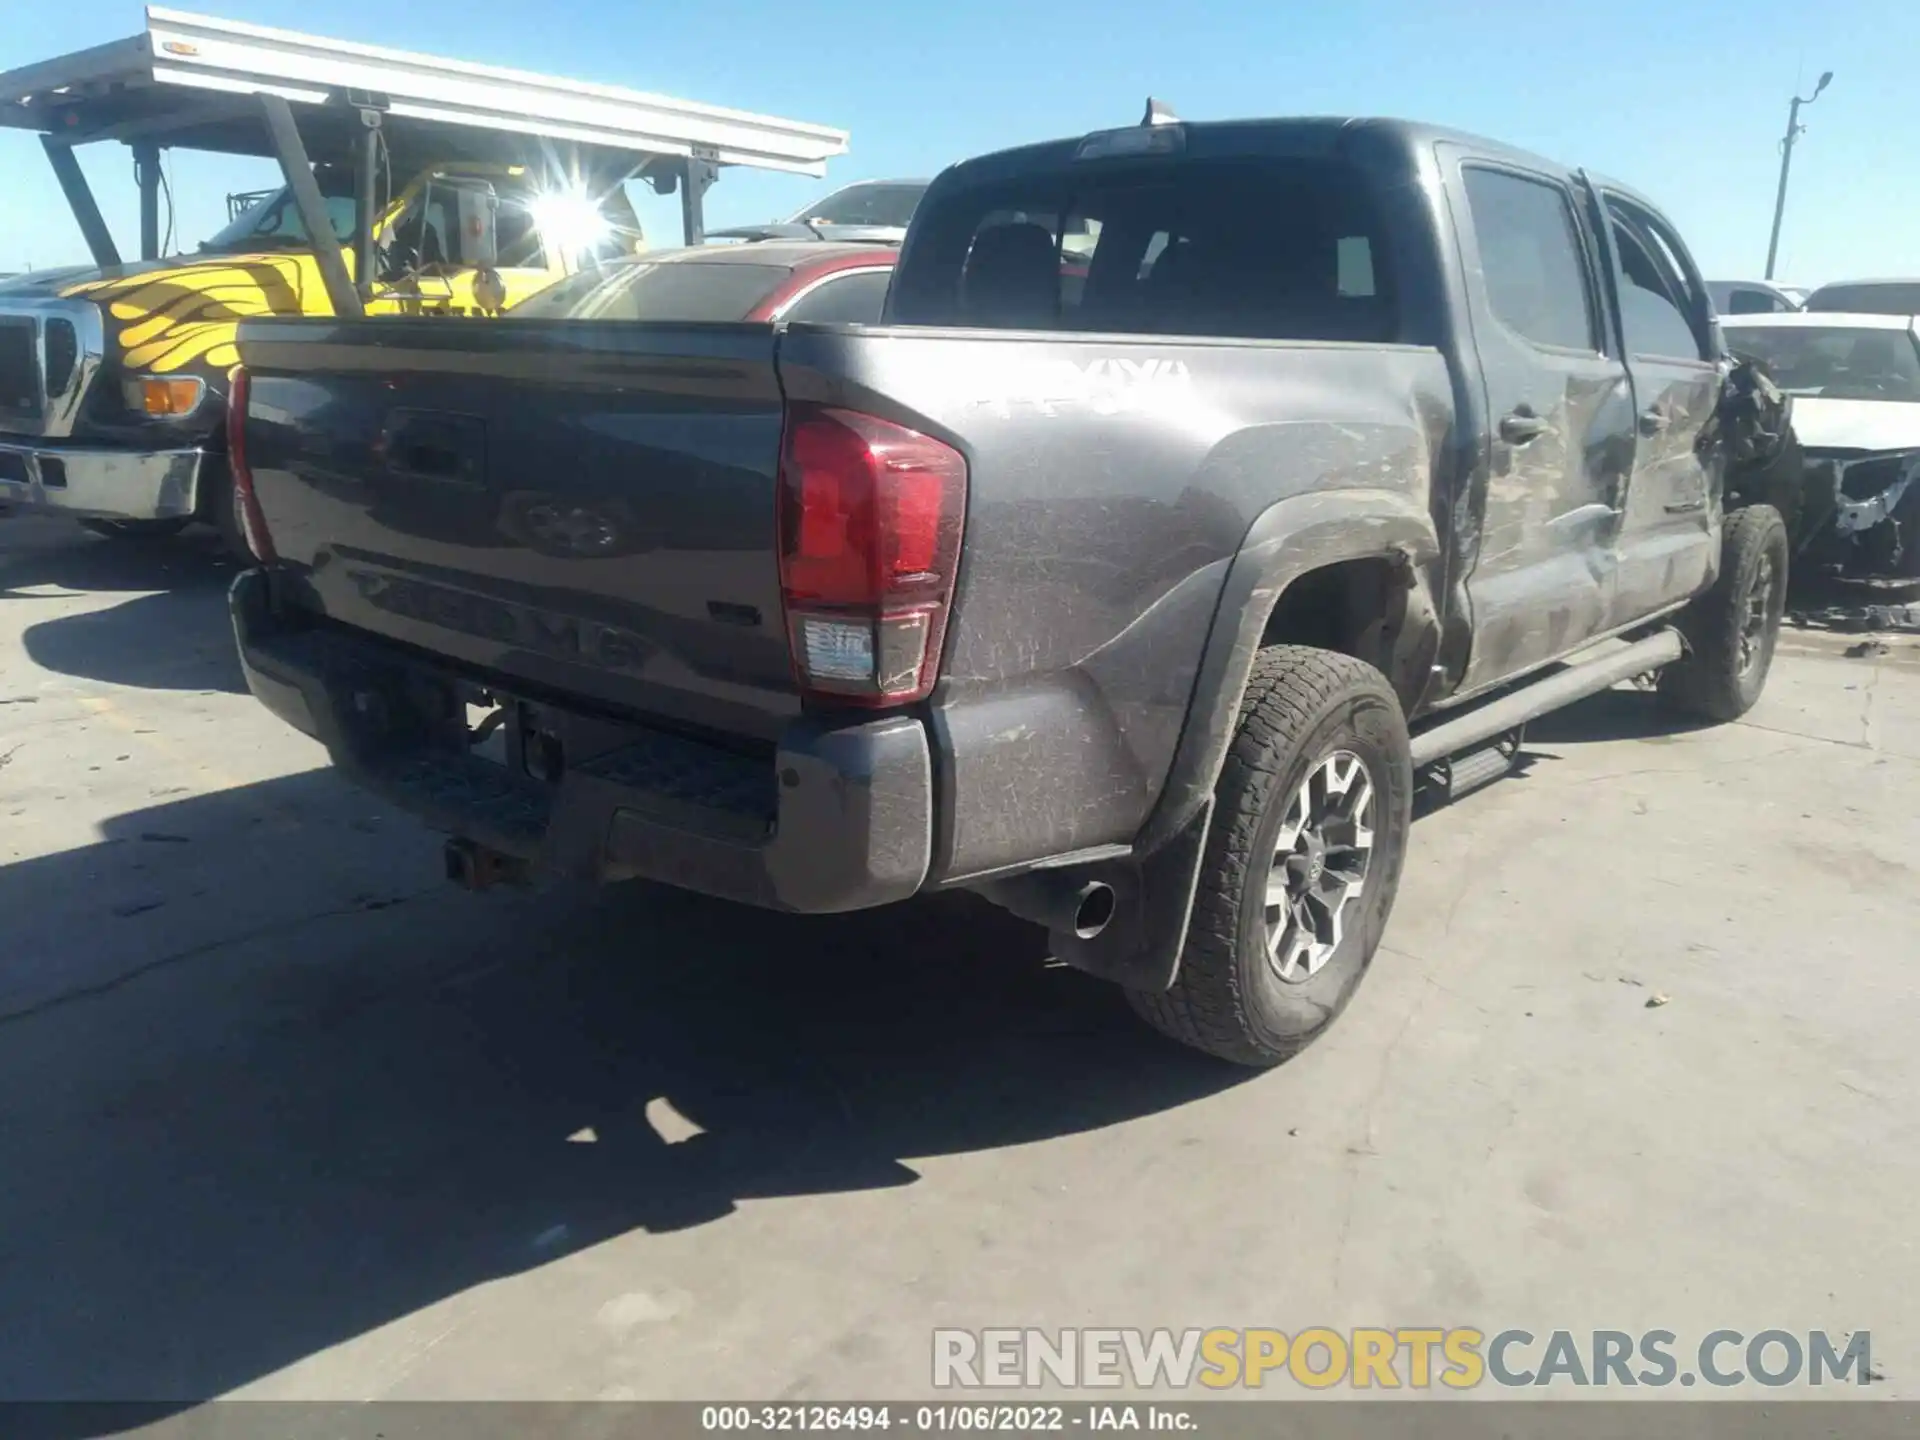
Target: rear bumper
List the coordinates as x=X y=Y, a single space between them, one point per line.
x=110 y=484
x=838 y=818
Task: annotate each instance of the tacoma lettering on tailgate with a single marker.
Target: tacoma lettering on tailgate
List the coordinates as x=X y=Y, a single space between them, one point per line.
x=567 y=636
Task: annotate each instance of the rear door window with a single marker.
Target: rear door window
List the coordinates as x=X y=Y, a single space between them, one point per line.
x=1260 y=249
x=1532 y=257
x=1658 y=305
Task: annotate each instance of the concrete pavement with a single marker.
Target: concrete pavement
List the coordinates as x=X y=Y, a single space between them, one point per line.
x=281 y=1115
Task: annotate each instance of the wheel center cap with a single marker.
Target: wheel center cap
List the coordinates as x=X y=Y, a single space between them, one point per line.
x=1313 y=858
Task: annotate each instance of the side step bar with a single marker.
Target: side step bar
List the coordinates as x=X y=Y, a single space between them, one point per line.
x=1550 y=692
x=1469 y=770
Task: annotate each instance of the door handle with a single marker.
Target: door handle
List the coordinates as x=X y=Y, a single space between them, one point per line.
x=1520 y=427
x=1653 y=420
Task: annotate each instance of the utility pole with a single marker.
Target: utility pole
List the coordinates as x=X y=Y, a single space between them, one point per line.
x=1794 y=127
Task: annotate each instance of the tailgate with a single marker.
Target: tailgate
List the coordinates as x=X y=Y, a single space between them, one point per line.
x=583 y=508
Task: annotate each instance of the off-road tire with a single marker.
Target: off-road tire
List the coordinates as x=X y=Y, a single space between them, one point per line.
x=134 y=529
x=1711 y=682
x=1302 y=705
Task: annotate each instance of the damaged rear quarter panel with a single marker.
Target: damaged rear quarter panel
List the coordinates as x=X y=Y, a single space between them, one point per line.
x=1111 y=482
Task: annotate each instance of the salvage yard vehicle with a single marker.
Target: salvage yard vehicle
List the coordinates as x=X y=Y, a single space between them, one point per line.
x=1753 y=297
x=779 y=280
x=442 y=189
x=1867 y=297
x=1850 y=494
x=865 y=210
x=877 y=210
x=1135 y=596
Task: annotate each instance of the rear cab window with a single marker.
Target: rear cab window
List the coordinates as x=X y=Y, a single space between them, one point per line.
x=1238 y=247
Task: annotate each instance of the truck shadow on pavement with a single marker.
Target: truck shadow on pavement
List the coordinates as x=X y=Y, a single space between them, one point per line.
x=280 y=1128
x=172 y=635
x=1623 y=713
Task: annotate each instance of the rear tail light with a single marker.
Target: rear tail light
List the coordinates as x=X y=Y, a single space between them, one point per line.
x=252 y=519
x=870 y=517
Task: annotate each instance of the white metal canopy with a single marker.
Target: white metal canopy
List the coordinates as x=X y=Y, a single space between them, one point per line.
x=185 y=80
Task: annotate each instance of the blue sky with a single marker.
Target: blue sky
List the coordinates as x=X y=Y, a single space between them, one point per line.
x=1686 y=101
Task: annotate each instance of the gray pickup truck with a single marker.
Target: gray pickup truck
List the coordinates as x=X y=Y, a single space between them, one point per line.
x=1134 y=587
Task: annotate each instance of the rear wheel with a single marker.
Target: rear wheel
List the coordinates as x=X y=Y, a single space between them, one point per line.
x=1732 y=629
x=1304 y=854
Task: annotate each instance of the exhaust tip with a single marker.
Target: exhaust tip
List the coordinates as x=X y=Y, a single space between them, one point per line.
x=1094 y=911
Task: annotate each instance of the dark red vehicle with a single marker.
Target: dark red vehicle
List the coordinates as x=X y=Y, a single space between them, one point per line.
x=764 y=280
x=768 y=281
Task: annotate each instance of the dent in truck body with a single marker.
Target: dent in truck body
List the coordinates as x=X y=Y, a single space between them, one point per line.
x=1539 y=577
x=1110 y=489
x=1668 y=541
x=1543 y=575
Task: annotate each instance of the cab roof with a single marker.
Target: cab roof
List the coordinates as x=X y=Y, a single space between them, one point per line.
x=1294 y=134
x=1306 y=137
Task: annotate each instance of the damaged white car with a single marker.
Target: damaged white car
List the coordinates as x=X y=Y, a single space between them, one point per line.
x=1848 y=482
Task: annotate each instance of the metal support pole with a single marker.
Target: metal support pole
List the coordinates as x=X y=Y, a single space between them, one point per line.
x=366 y=163
x=146 y=171
x=696 y=178
x=298 y=170
x=1780 y=199
x=73 y=184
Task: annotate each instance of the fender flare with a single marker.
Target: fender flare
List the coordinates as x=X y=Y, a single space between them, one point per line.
x=1289 y=539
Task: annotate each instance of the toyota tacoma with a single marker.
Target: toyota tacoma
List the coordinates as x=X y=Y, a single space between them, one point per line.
x=1133 y=585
